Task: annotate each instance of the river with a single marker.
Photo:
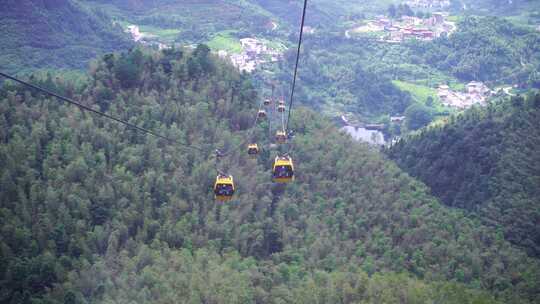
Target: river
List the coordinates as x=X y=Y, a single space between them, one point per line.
x=362 y=134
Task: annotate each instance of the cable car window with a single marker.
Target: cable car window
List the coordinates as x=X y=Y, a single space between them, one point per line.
x=224 y=190
x=282 y=171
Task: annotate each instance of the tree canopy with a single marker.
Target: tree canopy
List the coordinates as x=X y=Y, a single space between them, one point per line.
x=485 y=161
x=93 y=212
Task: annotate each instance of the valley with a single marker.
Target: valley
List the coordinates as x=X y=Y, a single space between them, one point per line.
x=257 y=38
x=414 y=134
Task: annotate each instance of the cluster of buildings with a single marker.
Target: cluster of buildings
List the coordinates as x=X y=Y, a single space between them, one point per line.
x=476 y=93
x=135 y=33
x=145 y=39
x=309 y=30
x=254 y=52
x=397 y=30
x=414 y=27
x=432 y=4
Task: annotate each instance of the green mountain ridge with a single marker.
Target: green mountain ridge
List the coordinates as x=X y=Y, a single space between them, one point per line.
x=485 y=161
x=486 y=49
x=54 y=34
x=91 y=212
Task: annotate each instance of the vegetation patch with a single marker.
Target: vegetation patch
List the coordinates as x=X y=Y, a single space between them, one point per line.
x=420 y=93
x=225 y=41
x=475 y=161
x=163 y=34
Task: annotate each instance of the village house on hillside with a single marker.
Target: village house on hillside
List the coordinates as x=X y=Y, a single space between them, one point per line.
x=410 y=27
x=145 y=38
x=309 y=30
x=397 y=119
x=222 y=54
x=135 y=32
x=254 y=52
x=437 y=4
x=477 y=87
x=253 y=46
x=476 y=93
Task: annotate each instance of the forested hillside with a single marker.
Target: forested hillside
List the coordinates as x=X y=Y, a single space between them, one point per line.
x=358 y=74
x=486 y=49
x=335 y=71
x=485 y=161
x=191 y=21
x=92 y=212
x=54 y=34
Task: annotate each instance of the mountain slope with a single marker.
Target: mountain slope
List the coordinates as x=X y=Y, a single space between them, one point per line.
x=54 y=34
x=333 y=70
x=485 y=161
x=89 y=208
x=486 y=49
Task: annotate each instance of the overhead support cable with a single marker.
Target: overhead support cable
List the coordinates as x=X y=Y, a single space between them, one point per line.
x=296 y=64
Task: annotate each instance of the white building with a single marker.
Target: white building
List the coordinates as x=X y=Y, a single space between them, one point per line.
x=222 y=54
x=477 y=87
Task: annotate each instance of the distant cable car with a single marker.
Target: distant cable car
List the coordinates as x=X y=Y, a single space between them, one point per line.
x=224 y=188
x=281 y=108
x=261 y=114
x=283 y=169
x=253 y=150
x=281 y=102
x=281 y=137
x=267 y=102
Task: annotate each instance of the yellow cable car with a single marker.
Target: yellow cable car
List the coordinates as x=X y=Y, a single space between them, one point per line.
x=283 y=169
x=253 y=150
x=224 y=188
x=281 y=108
x=281 y=137
x=267 y=102
x=261 y=114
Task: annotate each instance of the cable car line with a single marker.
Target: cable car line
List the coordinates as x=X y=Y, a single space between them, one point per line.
x=224 y=187
x=250 y=130
x=271 y=112
x=87 y=108
x=296 y=64
x=283 y=121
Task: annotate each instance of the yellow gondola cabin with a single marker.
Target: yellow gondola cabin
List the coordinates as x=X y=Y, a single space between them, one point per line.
x=261 y=114
x=283 y=169
x=281 y=137
x=224 y=188
x=253 y=150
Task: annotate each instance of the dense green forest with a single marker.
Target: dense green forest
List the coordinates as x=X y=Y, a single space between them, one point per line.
x=54 y=34
x=486 y=49
x=333 y=72
x=485 y=161
x=189 y=21
x=93 y=212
